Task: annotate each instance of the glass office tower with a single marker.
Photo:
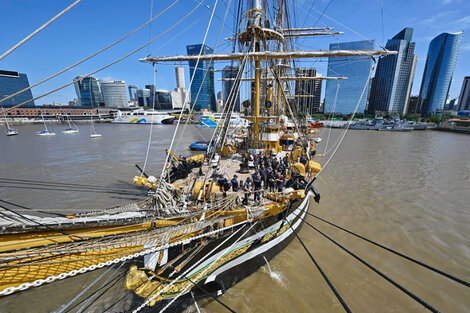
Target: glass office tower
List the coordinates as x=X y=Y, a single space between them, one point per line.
x=440 y=64
x=12 y=82
x=88 y=92
x=464 y=99
x=132 y=92
x=230 y=72
x=391 y=86
x=202 y=88
x=308 y=91
x=356 y=69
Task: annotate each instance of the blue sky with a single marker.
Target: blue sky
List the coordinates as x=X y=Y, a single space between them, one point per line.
x=93 y=24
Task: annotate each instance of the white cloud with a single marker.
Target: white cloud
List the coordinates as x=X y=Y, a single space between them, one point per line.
x=446 y=2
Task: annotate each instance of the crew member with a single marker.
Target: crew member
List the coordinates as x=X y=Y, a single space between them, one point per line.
x=247 y=190
x=234 y=182
x=257 y=186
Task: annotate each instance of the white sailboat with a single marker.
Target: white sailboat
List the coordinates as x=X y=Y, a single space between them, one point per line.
x=93 y=133
x=46 y=131
x=10 y=131
x=70 y=130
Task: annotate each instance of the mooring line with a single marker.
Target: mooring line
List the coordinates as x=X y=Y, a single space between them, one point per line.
x=403 y=289
x=332 y=287
x=209 y=294
x=429 y=267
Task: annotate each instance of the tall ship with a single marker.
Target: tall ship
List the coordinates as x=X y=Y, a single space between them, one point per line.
x=212 y=219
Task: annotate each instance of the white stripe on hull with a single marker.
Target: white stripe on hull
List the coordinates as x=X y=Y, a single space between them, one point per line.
x=265 y=247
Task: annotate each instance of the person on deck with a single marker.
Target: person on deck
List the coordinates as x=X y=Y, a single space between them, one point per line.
x=272 y=180
x=222 y=182
x=257 y=186
x=247 y=190
x=262 y=173
x=279 y=181
x=234 y=182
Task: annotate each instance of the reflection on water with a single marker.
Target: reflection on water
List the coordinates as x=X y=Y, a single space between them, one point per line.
x=409 y=191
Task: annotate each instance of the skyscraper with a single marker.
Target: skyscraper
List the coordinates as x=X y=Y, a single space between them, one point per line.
x=143 y=97
x=114 y=93
x=356 y=69
x=464 y=99
x=179 y=94
x=412 y=105
x=308 y=91
x=132 y=92
x=230 y=72
x=391 y=86
x=88 y=92
x=440 y=64
x=12 y=82
x=202 y=88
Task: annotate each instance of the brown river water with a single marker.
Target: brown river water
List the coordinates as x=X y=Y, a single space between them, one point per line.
x=408 y=191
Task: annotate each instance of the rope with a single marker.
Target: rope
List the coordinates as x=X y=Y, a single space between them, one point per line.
x=331 y=114
x=332 y=287
x=29 y=209
x=112 y=63
x=350 y=119
x=116 y=280
x=38 y=30
x=71 y=236
x=65 y=306
x=90 y=56
x=394 y=283
x=350 y=29
x=153 y=115
x=205 y=74
x=450 y=276
x=210 y=295
x=108 y=281
x=187 y=94
x=187 y=271
x=50 y=279
x=201 y=275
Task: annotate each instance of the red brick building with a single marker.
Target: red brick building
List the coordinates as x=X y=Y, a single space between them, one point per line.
x=48 y=111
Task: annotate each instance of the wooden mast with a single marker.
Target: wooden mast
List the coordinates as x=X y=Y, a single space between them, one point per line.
x=278 y=83
x=258 y=11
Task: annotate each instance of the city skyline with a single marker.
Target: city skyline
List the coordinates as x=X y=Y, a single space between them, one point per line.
x=76 y=35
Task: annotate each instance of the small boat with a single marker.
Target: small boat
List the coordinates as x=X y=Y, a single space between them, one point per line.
x=199 y=146
x=10 y=131
x=46 y=131
x=418 y=126
x=93 y=133
x=316 y=125
x=456 y=125
x=70 y=129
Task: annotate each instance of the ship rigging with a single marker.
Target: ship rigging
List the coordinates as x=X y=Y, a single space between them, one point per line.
x=197 y=235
